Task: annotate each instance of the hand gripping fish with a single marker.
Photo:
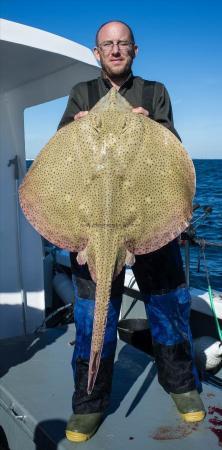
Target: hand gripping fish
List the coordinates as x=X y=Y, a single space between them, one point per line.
x=109 y=186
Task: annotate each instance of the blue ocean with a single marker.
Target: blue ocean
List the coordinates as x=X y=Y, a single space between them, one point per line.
x=208 y=193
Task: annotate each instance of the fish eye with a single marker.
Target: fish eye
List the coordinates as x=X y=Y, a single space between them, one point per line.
x=96 y=122
x=125 y=124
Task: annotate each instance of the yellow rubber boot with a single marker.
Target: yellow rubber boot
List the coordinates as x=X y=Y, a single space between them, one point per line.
x=190 y=406
x=82 y=427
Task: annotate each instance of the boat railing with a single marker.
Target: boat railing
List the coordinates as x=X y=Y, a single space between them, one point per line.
x=190 y=238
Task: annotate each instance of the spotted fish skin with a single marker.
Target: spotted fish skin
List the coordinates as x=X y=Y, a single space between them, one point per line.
x=102 y=255
x=111 y=183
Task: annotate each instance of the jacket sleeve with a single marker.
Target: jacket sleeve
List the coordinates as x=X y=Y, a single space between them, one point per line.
x=76 y=103
x=162 y=108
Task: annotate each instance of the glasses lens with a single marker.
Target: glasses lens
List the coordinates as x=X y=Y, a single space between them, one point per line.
x=106 y=47
x=124 y=44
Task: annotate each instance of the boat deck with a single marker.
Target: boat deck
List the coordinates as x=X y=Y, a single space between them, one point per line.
x=35 y=397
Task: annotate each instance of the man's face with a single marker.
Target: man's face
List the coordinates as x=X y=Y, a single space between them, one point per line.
x=116 y=61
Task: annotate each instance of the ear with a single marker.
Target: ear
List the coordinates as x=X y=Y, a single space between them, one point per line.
x=96 y=53
x=135 y=50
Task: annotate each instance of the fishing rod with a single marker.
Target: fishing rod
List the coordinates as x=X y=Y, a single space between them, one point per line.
x=188 y=237
x=200 y=241
x=207 y=210
x=210 y=293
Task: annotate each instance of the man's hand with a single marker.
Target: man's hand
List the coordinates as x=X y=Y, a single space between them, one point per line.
x=80 y=114
x=140 y=110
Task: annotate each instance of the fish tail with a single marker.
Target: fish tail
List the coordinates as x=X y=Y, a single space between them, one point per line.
x=104 y=251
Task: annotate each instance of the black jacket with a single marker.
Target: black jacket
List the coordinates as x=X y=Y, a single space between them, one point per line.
x=133 y=90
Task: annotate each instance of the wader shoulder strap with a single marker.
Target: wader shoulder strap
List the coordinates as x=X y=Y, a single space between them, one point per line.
x=93 y=93
x=147 y=96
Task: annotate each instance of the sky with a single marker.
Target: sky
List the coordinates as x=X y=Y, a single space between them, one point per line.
x=180 y=44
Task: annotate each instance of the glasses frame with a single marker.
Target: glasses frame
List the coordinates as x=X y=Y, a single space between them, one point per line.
x=127 y=45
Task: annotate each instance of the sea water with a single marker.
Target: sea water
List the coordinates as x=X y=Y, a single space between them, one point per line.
x=208 y=193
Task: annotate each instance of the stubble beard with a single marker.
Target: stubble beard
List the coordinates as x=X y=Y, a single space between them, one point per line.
x=116 y=75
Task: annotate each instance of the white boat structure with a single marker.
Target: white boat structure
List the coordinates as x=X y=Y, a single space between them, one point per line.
x=36 y=382
x=36 y=66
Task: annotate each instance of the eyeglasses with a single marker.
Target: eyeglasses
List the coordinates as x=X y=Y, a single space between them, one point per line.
x=107 y=46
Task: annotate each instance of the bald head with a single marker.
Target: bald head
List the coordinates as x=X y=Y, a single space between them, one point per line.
x=110 y=26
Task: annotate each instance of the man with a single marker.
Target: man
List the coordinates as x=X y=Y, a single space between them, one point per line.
x=159 y=275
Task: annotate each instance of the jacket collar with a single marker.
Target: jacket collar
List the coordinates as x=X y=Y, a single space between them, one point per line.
x=127 y=83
